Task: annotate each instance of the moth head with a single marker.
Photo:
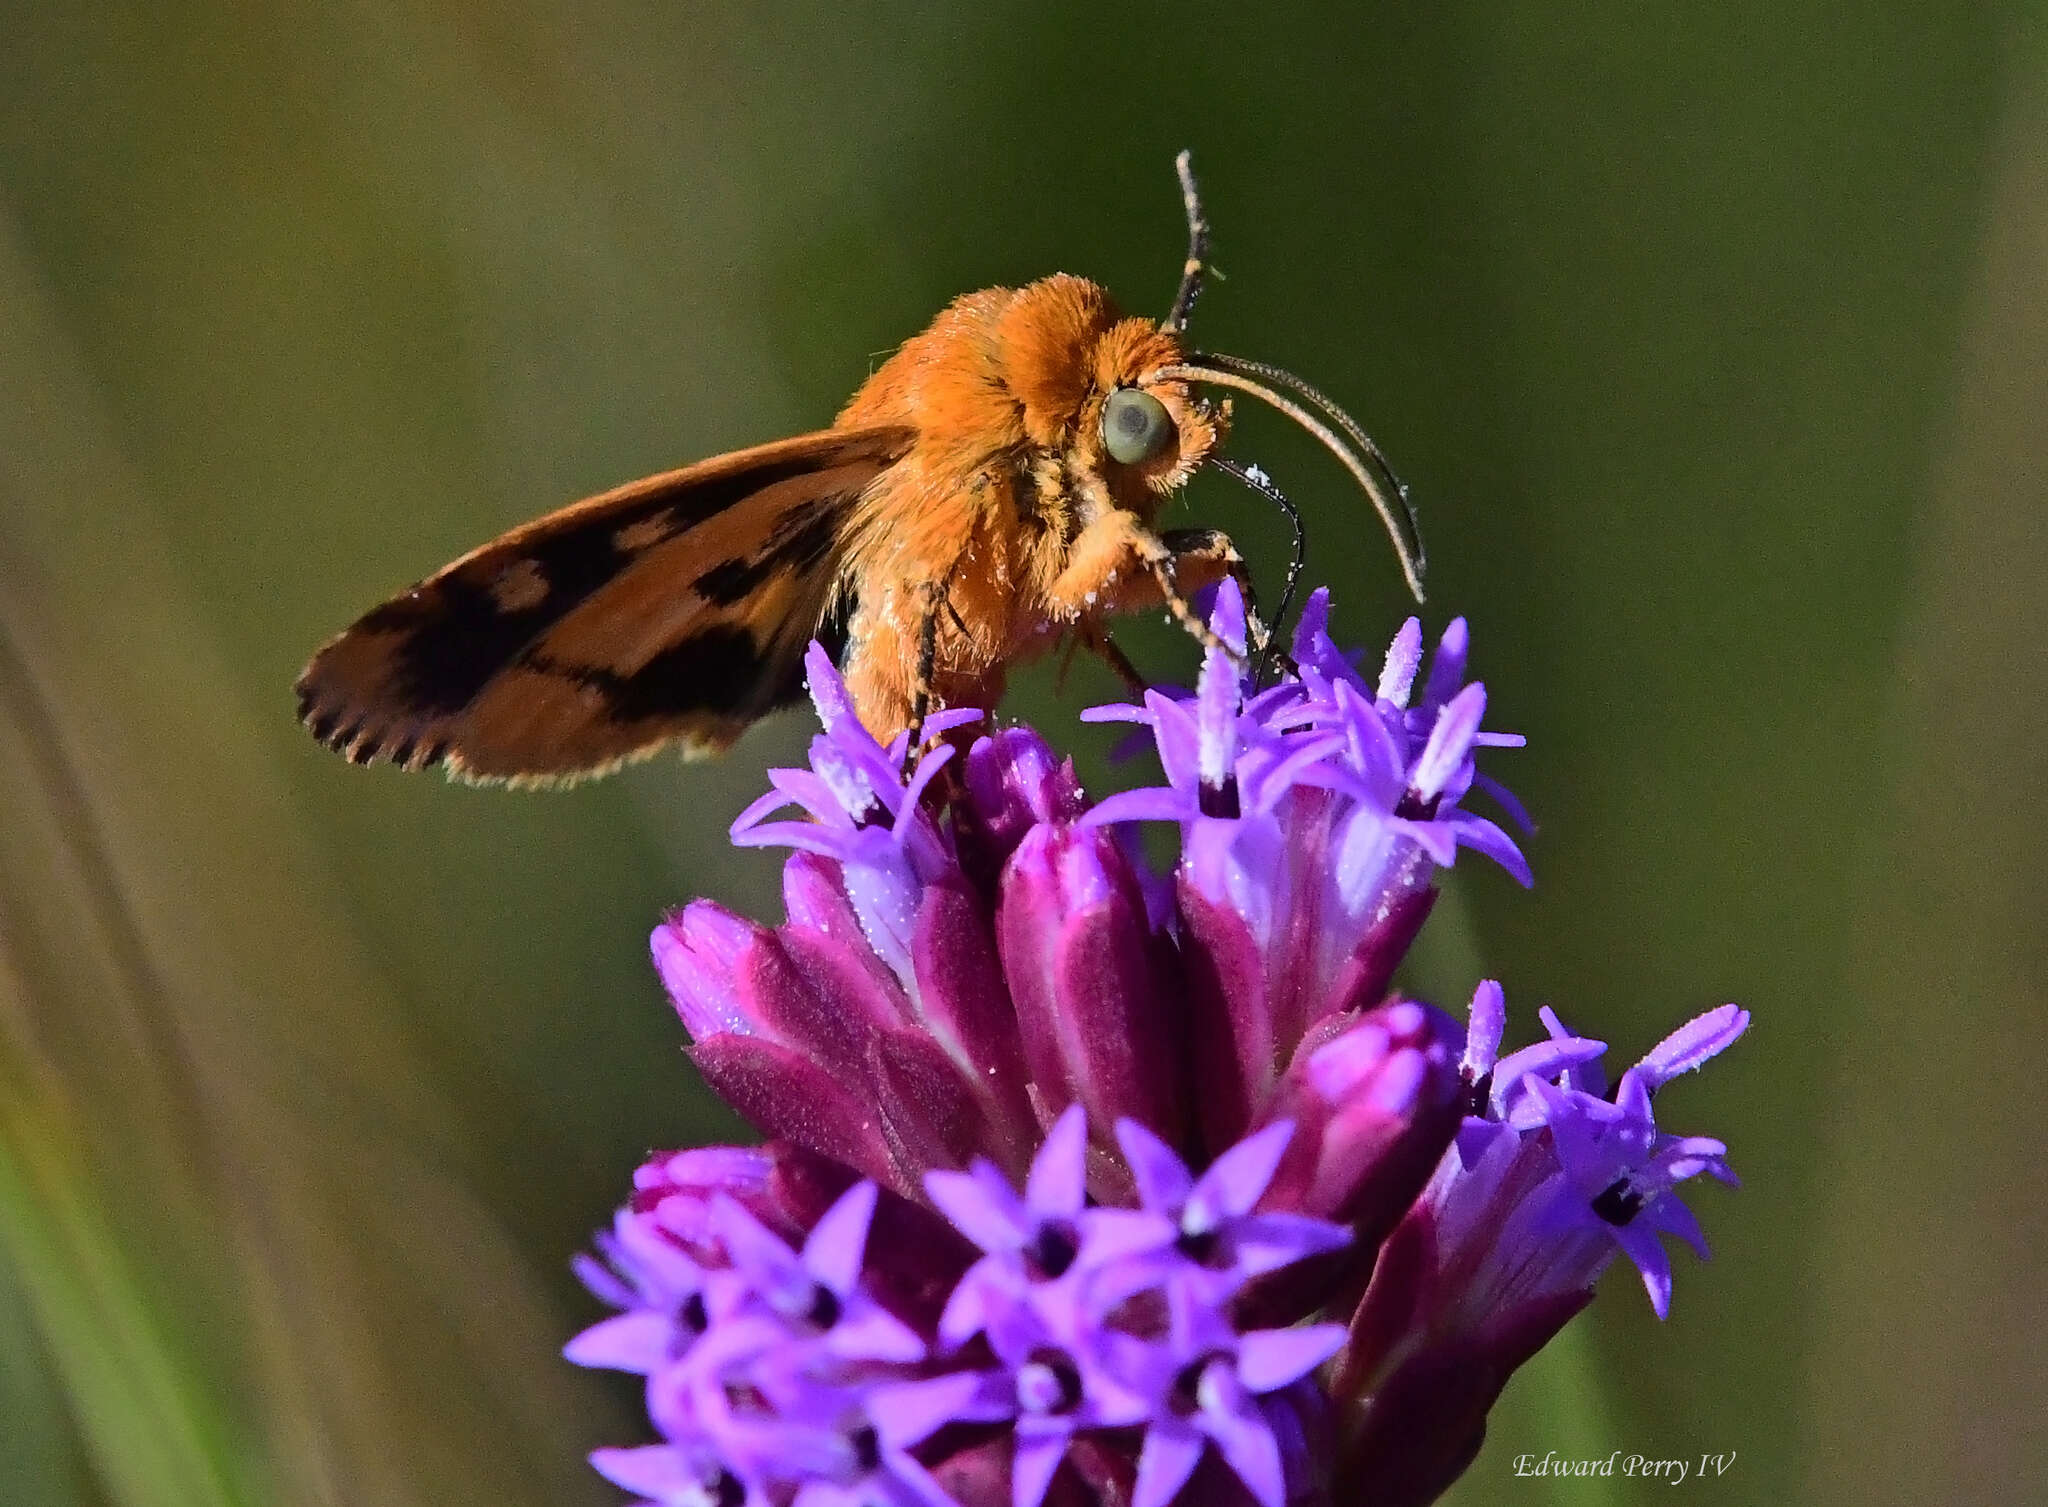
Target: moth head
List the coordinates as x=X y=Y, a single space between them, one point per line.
x=1092 y=392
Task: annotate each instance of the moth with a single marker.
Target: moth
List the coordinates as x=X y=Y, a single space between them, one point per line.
x=990 y=492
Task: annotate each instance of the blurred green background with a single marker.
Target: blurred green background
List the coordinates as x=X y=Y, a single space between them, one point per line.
x=1712 y=339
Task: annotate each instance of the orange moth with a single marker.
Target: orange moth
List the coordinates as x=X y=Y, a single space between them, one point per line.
x=990 y=492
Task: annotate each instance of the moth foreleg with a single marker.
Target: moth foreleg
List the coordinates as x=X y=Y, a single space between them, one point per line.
x=931 y=602
x=1103 y=647
x=1208 y=556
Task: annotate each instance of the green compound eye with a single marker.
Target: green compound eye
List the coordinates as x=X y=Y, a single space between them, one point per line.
x=1135 y=426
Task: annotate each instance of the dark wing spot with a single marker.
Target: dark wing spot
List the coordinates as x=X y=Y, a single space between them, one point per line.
x=720 y=670
x=800 y=543
x=445 y=662
x=731 y=581
x=459 y=630
x=807 y=535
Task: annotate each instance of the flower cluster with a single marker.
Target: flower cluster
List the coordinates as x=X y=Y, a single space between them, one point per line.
x=1087 y=1183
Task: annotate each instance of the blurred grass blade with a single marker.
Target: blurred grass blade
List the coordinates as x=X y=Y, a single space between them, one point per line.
x=157 y=1439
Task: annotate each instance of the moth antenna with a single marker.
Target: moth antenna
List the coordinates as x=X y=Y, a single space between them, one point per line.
x=1197 y=265
x=1382 y=487
x=1367 y=445
x=1255 y=477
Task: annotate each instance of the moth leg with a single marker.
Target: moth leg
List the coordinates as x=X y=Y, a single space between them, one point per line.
x=933 y=598
x=1117 y=564
x=1211 y=552
x=1100 y=644
x=1166 y=571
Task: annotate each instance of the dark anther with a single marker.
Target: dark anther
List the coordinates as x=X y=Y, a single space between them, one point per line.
x=1220 y=800
x=1618 y=1203
x=723 y=1489
x=692 y=1314
x=1414 y=808
x=1200 y=1246
x=1054 y=1248
x=1477 y=1092
x=825 y=1308
x=867 y=1448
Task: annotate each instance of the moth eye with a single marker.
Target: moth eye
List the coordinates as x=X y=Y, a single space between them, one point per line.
x=1135 y=426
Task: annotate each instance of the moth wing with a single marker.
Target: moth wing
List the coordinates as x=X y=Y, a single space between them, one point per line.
x=671 y=610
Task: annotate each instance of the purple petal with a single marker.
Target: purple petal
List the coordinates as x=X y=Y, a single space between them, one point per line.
x=1152 y=804
x=928 y=768
x=1237 y=1179
x=641 y=1342
x=1246 y=1443
x=757 y=1251
x=1226 y=619
x=1693 y=1043
x=1647 y=1251
x=828 y=691
x=1674 y=1218
x=1109 y=1235
x=1039 y=1452
x=655 y=1470
x=1269 y=1359
x=1489 y=1019
x=908 y=1413
x=869 y=1332
x=1503 y=797
x=1488 y=839
x=1544 y=1059
x=1312 y=623
x=1450 y=741
x=1404 y=658
x=1169 y=1457
x=1447 y=668
x=1266 y=1242
x=833 y=1250
x=1162 y=1177
x=602 y=1284
x=981 y=1205
x=1059 y=1173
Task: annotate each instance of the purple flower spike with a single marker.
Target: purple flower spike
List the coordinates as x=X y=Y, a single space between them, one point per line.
x=1545 y=1183
x=1313 y=818
x=1089 y=1181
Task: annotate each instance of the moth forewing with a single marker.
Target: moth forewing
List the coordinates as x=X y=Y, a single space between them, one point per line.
x=673 y=610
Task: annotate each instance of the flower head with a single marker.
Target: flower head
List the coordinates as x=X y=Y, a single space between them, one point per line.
x=1104 y=1318
x=1090 y=1181
x=1545 y=1184
x=1313 y=814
